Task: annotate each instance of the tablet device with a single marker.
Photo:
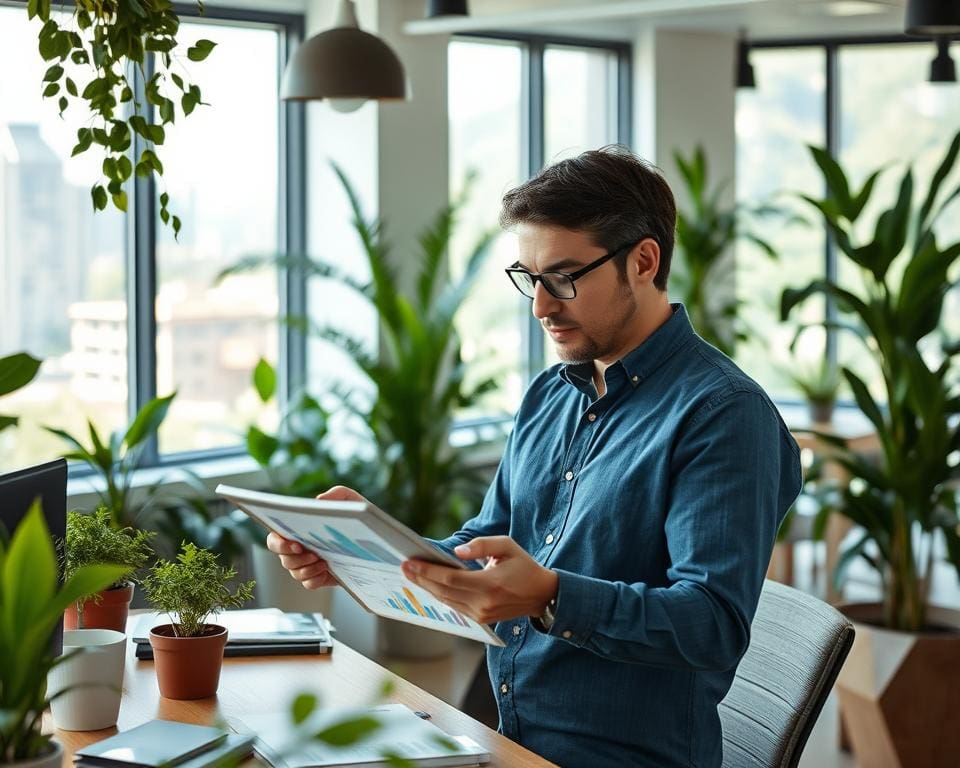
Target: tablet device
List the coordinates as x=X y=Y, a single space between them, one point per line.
x=364 y=547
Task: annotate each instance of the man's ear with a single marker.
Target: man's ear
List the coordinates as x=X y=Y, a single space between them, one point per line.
x=643 y=262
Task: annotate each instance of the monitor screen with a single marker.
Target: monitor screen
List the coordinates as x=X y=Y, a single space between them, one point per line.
x=18 y=491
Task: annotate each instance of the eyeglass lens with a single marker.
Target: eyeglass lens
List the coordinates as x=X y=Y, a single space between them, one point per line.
x=557 y=284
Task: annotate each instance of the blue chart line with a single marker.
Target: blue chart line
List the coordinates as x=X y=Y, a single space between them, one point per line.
x=362 y=549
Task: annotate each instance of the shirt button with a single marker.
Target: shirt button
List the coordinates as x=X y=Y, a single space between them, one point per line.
x=634 y=379
x=516 y=630
x=504 y=688
x=591 y=417
x=567 y=634
x=549 y=538
x=568 y=475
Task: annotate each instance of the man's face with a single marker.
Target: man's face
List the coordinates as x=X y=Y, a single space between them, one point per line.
x=595 y=324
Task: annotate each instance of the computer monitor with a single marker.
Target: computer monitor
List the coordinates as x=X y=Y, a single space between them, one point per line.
x=18 y=491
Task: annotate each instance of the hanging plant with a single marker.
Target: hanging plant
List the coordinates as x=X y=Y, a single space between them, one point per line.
x=107 y=39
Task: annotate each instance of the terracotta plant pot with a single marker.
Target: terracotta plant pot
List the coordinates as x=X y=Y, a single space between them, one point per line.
x=188 y=667
x=900 y=691
x=109 y=613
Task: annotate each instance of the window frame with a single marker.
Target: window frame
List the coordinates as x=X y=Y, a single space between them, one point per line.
x=533 y=138
x=831 y=47
x=140 y=252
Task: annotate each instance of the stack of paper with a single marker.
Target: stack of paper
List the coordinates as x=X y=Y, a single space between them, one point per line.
x=402 y=733
x=165 y=743
x=256 y=632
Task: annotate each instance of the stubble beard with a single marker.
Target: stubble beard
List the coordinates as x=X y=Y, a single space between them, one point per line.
x=596 y=347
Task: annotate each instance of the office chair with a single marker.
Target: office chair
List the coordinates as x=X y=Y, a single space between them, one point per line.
x=797 y=646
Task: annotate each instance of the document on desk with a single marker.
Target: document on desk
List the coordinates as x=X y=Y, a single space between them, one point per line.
x=400 y=732
x=364 y=547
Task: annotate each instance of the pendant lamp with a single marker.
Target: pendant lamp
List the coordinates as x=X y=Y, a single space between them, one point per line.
x=345 y=65
x=436 y=8
x=942 y=68
x=744 y=72
x=930 y=18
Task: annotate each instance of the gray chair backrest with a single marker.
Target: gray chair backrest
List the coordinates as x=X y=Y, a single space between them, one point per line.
x=797 y=646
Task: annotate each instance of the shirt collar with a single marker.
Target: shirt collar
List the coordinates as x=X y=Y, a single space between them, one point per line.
x=640 y=363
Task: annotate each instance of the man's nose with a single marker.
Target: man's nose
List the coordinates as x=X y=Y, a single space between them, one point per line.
x=544 y=302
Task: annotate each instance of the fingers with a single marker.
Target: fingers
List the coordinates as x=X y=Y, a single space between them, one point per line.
x=295 y=562
x=420 y=570
x=340 y=493
x=314 y=575
x=486 y=546
x=281 y=546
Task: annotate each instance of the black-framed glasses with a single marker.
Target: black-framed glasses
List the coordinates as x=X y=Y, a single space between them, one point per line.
x=560 y=285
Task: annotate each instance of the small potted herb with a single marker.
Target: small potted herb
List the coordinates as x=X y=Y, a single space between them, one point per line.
x=92 y=540
x=188 y=652
x=819 y=384
x=31 y=603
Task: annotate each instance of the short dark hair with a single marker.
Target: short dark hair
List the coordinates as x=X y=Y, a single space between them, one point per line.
x=610 y=193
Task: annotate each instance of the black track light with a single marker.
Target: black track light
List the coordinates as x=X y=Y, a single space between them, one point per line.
x=436 y=8
x=942 y=68
x=744 y=73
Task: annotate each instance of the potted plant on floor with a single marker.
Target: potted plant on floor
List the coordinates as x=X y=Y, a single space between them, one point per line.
x=906 y=497
x=188 y=652
x=92 y=540
x=418 y=381
x=31 y=604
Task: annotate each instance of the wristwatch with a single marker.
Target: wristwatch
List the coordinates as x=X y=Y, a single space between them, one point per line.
x=544 y=622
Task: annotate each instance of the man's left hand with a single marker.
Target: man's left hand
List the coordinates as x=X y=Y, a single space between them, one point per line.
x=511 y=584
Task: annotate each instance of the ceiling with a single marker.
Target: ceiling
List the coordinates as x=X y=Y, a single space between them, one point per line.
x=762 y=19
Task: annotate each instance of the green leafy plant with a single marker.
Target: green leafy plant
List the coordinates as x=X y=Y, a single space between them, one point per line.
x=701 y=275
x=819 y=383
x=192 y=587
x=418 y=378
x=116 y=458
x=16 y=371
x=298 y=458
x=92 y=540
x=909 y=488
x=31 y=604
x=104 y=40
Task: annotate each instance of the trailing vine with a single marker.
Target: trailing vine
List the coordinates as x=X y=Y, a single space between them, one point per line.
x=107 y=39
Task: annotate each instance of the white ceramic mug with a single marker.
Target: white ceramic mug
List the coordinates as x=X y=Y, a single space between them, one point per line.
x=97 y=669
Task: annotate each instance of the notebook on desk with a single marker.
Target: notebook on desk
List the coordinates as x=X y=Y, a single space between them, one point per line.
x=164 y=743
x=402 y=733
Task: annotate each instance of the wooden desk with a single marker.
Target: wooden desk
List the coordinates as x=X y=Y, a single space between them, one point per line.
x=269 y=683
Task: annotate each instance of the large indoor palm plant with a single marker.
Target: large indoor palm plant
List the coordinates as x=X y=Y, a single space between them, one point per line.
x=903 y=497
x=419 y=379
x=702 y=276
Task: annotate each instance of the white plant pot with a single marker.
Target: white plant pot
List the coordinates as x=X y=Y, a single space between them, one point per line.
x=277 y=589
x=96 y=668
x=53 y=759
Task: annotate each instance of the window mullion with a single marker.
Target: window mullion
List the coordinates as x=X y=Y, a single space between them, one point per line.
x=832 y=115
x=142 y=279
x=534 y=135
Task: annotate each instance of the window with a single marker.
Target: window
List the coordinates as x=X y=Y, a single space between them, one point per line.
x=882 y=112
x=117 y=309
x=516 y=104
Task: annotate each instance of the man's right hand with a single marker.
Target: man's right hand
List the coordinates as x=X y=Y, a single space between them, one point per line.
x=306 y=567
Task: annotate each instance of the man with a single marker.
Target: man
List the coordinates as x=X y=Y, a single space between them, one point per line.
x=628 y=529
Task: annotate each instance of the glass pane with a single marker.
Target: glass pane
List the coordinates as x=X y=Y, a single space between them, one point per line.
x=580 y=101
x=485 y=139
x=580 y=110
x=890 y=116
x=774 y=124
x=62 y=292
x=221 y=172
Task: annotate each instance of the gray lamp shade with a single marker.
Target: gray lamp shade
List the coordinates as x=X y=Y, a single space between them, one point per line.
x=344 y=63
x=933 y=17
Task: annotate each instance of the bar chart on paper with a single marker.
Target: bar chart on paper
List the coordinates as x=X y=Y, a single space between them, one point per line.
x=408 y=602
x=336 y=542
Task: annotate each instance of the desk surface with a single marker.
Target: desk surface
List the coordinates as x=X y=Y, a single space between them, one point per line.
x=341 y=678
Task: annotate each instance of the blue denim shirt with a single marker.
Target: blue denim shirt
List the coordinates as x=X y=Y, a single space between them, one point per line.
x=657 y=505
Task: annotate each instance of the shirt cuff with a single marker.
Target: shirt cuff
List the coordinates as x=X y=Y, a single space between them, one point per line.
x=579 y=605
